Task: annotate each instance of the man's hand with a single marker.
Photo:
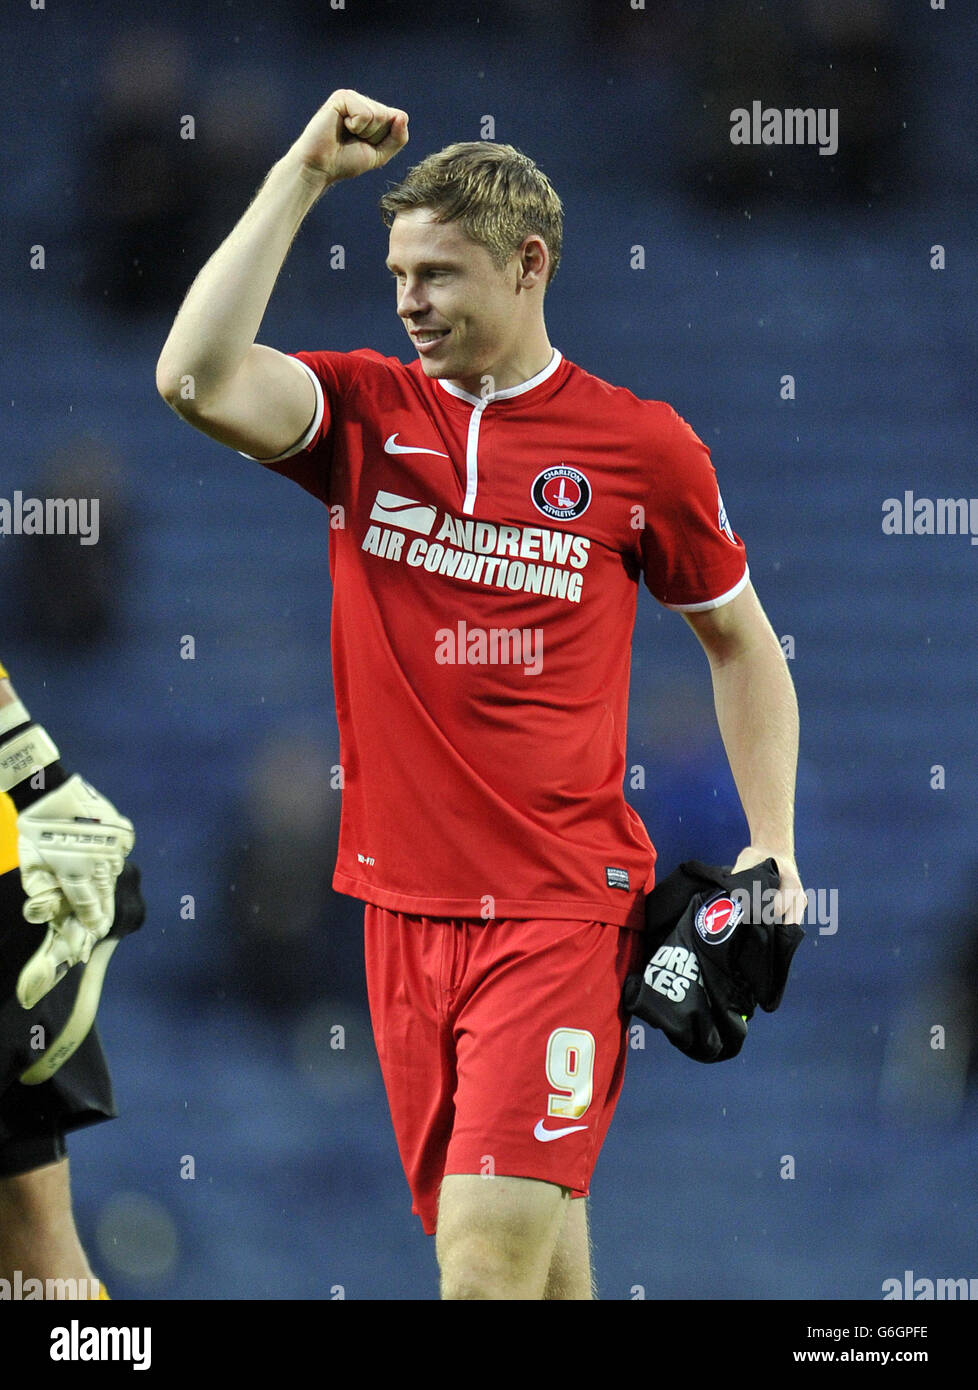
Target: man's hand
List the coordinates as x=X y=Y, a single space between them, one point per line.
x=72 y=845
x=349 y=136
x=713 y=954
x=790 y=903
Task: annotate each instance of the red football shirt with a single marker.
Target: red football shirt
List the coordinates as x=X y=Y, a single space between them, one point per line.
x=485 y=554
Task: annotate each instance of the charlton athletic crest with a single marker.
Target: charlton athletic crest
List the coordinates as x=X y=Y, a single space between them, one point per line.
x=717 y=919
x=561 y=492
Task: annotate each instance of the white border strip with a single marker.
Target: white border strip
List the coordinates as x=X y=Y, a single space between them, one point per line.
x=317 y=420
x=713 y=602
x=509 y=391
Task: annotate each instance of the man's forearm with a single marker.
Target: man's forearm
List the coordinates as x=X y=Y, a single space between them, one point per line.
x=25 y=749
x=13 y=711
x=220 y=317
x=757 y=712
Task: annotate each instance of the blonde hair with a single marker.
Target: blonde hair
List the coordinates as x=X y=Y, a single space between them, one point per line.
x=495 y=193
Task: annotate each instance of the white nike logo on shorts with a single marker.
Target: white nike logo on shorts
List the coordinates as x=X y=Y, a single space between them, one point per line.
x=391 y=448
x=545 y=1135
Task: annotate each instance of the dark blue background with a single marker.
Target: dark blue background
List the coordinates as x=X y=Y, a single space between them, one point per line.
x=824 y=274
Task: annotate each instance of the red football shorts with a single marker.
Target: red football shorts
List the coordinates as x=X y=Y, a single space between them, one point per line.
x=502 y=1044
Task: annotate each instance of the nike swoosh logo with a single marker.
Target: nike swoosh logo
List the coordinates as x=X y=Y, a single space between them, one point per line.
x=545 y=1135
x=391 y=448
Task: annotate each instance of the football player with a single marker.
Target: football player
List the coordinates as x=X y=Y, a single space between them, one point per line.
x=493 y=508
x=67 y=896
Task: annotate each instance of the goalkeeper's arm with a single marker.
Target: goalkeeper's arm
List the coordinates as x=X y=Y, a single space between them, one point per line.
x=72 y=844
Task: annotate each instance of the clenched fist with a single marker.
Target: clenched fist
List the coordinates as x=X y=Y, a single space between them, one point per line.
x=349 y=136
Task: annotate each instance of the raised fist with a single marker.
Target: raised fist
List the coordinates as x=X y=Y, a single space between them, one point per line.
x=351 y=135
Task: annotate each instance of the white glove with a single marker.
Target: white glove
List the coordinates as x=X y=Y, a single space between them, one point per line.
x=72 y=845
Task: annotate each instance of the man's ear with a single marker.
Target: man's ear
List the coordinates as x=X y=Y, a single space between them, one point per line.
x=534 y=259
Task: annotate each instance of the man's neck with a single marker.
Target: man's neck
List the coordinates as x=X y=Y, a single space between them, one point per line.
x=514 y=373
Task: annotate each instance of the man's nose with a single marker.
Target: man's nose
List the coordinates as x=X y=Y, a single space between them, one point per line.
x=411 y=300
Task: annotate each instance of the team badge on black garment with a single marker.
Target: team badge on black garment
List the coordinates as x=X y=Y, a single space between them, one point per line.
x=561 y=492
x=718 y=918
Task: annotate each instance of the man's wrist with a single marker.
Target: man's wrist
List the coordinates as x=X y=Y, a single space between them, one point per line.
x=13 y=711
x=13 y=715
x=29 y=765
x=314 y=181
x=758 y=850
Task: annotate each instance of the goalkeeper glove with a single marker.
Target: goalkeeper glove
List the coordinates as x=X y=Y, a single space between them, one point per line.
x=72 y=844
x=130 y=913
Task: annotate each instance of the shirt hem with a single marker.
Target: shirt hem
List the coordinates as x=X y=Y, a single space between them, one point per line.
x=718 y=602
x=309 y=435
x=630 y=915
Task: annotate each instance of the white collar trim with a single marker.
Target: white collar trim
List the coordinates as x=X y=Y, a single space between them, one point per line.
x=510 y=391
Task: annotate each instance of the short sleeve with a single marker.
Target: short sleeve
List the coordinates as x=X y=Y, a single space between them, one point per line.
x=307 y=461
x=692 y=559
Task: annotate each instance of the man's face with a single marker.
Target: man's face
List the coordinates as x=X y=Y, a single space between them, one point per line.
x=449 y=286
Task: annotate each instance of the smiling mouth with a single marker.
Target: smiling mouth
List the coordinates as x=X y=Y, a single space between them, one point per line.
x=429 y=335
